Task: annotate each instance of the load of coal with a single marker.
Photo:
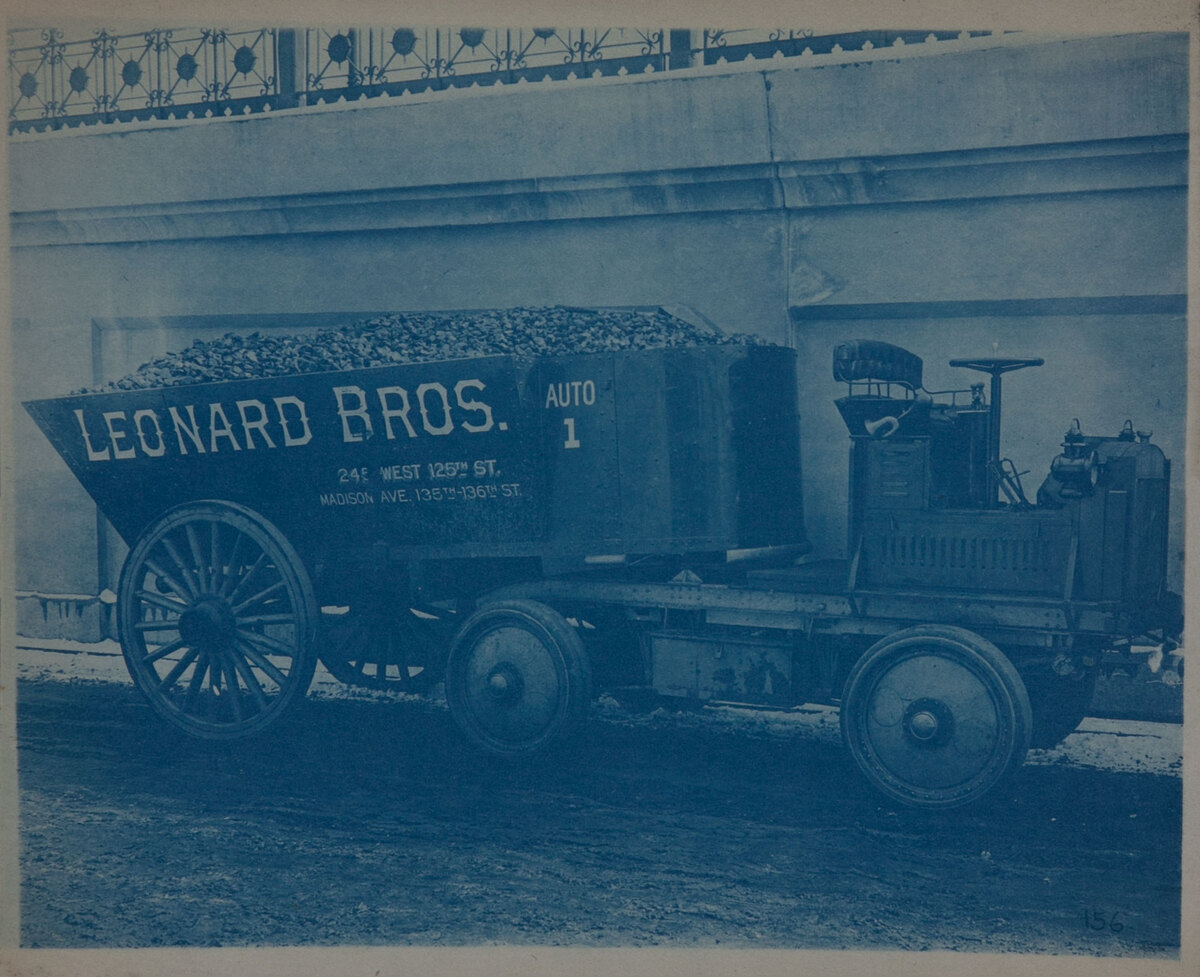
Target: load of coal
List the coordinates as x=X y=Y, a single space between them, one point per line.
x=421 y=337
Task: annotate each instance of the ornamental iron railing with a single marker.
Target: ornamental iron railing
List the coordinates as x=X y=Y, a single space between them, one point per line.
x=407 y=59
x=108 y=77
x=57 y=81
x=718 y=45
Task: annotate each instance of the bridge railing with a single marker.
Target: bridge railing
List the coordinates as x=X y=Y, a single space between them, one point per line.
x=60 y=80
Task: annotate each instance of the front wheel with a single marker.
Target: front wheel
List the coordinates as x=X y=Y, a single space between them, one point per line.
x=215 y=613
x=935 y=716
x=517 y=678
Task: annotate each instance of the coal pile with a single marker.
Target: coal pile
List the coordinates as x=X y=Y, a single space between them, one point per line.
x=422 y=337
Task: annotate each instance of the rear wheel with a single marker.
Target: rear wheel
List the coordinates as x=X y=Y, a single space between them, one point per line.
x=935 y=716
x=400 y=649
x=517 y=678
x=215 y=614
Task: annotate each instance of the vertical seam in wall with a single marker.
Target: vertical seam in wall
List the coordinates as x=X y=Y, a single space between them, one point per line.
x=97 y=363
x=102 y=555
x=772 y=161
x=786 y=250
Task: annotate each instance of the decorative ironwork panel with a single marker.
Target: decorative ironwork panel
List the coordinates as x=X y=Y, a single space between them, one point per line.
x=341 y=61
x=57 y=81
x=331 y=59
x=718 y=44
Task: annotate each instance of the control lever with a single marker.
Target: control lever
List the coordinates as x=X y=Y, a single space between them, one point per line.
x=1009 y=480
x=995 y=367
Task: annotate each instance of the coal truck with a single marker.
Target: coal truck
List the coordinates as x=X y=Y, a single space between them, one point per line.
x=533 y=530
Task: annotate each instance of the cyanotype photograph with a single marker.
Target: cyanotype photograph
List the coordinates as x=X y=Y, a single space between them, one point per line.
x=557 y=491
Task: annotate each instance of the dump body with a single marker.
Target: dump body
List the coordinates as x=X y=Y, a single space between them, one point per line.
x=637 y=452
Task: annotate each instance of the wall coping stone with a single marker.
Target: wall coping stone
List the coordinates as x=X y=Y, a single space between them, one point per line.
x=1106 y=166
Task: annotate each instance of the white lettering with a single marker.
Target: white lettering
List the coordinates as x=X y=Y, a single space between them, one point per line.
x=160 y=447
x=345 y=413
x=572 y=441
x=145 y=432
x=447 y=424
x=259 y=425
x=115 y=436
x=217 y=412
x=347 y=498
x=397 y=473
x=390 y=412
x=290 y=440
x=571 y=393
x=181 y=428
x=476 y=406
x=92 y=453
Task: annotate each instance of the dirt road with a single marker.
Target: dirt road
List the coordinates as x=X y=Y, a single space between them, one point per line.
x=368 y=822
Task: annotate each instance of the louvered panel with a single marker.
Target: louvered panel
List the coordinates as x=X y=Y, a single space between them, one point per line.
x=971 y=551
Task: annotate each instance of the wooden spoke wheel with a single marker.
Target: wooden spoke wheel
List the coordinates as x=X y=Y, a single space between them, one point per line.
x=935 y=716
x=517 y=678
x=216 y=613
x=402 y=650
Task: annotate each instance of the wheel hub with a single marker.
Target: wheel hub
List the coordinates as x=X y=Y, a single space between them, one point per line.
x=504 y=683
x=209 y=623
x=928 y=722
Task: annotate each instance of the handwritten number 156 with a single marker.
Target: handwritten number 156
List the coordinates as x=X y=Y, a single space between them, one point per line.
x=1097 y=919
